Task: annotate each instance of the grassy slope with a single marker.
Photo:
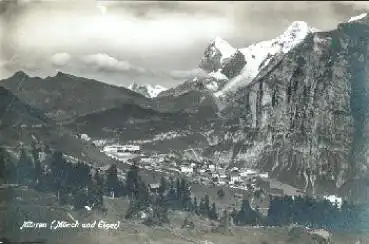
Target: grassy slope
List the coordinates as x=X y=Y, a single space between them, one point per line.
x=42 y=207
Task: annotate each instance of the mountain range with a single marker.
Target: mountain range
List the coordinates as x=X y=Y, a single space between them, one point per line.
x=293 y=106
x=64 y=96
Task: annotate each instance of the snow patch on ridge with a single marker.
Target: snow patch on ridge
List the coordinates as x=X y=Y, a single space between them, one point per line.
x=259 y=55
x=147 y=90
x=223 y=47
x=361 y=16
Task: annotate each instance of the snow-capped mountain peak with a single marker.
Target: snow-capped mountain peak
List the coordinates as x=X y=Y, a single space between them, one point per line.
x=225 y=49
x=230 y=68
x=258 y=55
x=147 y=90
x=217 y=51
x=294 y=34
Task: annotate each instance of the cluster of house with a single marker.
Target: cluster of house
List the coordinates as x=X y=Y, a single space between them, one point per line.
x=135 y=149
x=202 y=171
x=129 y=148
x=246 y=179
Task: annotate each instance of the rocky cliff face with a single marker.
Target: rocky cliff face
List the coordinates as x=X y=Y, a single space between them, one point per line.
x=305 y=117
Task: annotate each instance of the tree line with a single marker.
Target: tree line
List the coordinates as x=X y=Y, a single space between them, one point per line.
x=80 y=185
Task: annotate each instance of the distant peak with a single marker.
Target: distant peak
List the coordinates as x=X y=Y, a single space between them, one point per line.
x=221 y=44
x=147 y=90
x=60 y=74
x=132 y=85
x=218 y=39
x=295 y=33
x=20 y=73
x=297 y=26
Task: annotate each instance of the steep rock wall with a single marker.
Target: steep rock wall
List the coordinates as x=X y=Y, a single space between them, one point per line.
x=304 y=118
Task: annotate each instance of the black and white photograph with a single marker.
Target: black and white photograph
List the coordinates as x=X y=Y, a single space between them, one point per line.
x=178 y=122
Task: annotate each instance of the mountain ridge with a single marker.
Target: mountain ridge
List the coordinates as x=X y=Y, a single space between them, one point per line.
x=64 y=96
x=229 y=68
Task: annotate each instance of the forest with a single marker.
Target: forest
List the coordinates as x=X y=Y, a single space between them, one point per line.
x=81 y=185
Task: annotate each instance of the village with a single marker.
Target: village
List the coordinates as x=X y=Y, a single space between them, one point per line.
x=204 y=171
x=199 y=170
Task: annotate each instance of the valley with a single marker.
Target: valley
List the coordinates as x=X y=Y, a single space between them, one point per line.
x=267 y=145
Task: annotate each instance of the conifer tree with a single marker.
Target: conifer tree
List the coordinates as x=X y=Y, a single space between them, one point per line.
x=25 y=168
x=246 y=216
x=112 y=179
x=98 y=189
x=163 y=185
x=2 y=164
x=195 y=206
x=213 y=215
x=132 y=181
x=221 y=193
x=10 y=174
x=204 y=206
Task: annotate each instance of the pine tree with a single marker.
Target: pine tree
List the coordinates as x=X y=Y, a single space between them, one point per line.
x=204 y=206
x=38 y=172
x=246 y=216
x=25 y=168
x=172 y=197
x=2 y=164
x=57 y=162
x=80 y=198
x=160 y=214
x=207 y=203
x=57 y=166
x=47 y=149
x=132 y=181
x=142 y=195
x=98 y=189
x=171 y=182
x=163 y=185
x=35 y=152
x=185 y=200
x=112 y=179
x=224 y=222
x=178 y=190
x=221 y=193
x=234 y=215
x=195 y=206
x=213 y=215
x=63 y=195
x=10 y=172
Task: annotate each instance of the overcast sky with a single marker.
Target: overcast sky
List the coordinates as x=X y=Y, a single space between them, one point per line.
x=148 y=42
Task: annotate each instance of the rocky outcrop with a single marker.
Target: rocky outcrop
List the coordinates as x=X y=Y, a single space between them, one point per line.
x=304 y=118
x=214 y=55
x=234 y=65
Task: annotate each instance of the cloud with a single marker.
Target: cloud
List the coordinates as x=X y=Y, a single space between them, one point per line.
x=105 y=63
x=262 y=20
x=60 y=59
x=187 y=74
x=167 y=38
